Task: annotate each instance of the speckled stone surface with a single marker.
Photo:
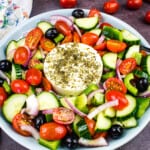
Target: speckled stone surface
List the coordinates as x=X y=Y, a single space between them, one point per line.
x=135 y=19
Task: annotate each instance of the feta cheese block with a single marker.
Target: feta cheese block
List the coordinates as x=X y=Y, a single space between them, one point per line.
x=71 y=67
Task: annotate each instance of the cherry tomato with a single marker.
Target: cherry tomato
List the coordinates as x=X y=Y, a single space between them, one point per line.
x=89 y=38
x=19 y=86
x=68 y=38
x=134 y=4
x=63 y=115
x=46 y=44
x=46 y=84
x=21 y=55
x=116 y=46
x=147 y=17
x=62 y=27
x=116 y=95
x=33 y=76
x=68 y=3
x=127 y=65
x=76 y=37
x=100 y=47
x=18 y=121
x=52 y=131
x=102 y=53
x=111 y=6
x=3 y=96
x=105 y=24
x=91 y=125
x=33 y=38
x=115 y=84
x=94 y=12
x=100 y=134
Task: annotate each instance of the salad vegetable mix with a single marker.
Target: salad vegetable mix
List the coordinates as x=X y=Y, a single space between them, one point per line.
x=114 y=95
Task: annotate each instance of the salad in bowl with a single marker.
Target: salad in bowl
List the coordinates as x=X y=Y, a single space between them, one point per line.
x=77 y=79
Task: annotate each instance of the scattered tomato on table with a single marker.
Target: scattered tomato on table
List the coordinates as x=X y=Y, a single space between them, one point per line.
x=111 y=6
x=134 y=4
x=68 y=3
x=147 y=17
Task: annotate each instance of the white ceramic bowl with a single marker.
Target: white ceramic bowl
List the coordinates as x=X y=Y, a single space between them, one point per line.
x=29 y=142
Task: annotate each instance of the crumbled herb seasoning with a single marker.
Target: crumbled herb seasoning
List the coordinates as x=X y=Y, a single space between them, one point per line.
x=73 y=66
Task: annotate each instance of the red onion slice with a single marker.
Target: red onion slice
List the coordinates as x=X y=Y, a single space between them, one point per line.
x=145 y=94
x=78 y=30
x=55 y=18
x=3 y=76
x=102 y=107
x=94 y=142
x=29 y=56
x=100 y=40
x=76 y=110
x=90 y=96
x=32 y=106
x=48 y=111
x=31 y=130
x=117 y=69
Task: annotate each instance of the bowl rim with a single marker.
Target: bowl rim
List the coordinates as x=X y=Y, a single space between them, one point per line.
x=20 y=139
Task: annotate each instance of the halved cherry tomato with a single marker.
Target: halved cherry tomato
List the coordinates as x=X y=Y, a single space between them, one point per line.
x=91 y=125
x=134 y=4
x=33 y=38
x=52 y=131
x=33 y=76
x=63 y=115
x=100 y=134
x=3 y=96
x=111 y=6
x=115 y=84
x=105 y=24
x=62 y=27
x=94 y=12
x=46 y=84
x=101 y=53
x=116 y=46
x=68 y=38
x=68 y=3
x=46 y=44
x=18 y=121
x=100 y=47
x=116 y=95
x=19 y=86
x=21 y=56
x=127 y=65
x=76 y=37
x=89 y=38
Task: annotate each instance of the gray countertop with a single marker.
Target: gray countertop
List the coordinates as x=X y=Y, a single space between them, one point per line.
x=135 y=19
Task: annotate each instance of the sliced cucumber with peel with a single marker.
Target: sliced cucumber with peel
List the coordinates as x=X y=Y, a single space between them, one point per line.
x=44 y=26
x=13 y=105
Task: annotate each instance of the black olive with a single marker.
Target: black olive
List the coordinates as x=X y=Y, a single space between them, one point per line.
x=142 y=84
x=39 y=120
x=51 y=33
x=116 y=131
x=78 y=13
x=5 y=65
x=70 y=141
x=1 y=81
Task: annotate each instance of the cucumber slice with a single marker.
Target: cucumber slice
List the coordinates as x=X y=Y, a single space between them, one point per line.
x=108 y=75
x=52 y=145
x=13 y=105
x=44 y=26
x=129 y=38
x=86 y=23
x=110 y=112
x=127 y=81
x=21 y=42
x=38 y=55
x=92 y=87
x=16 y=72
x=146 y=64
x=130 y=122
x=132 y=51
x=96 y=31
x=129 y=109
x=98 y=99
x=47 y=101
x=109 y=60
x=10 y=47
x=102 y=123
x=112 y=33
x=76 y=120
